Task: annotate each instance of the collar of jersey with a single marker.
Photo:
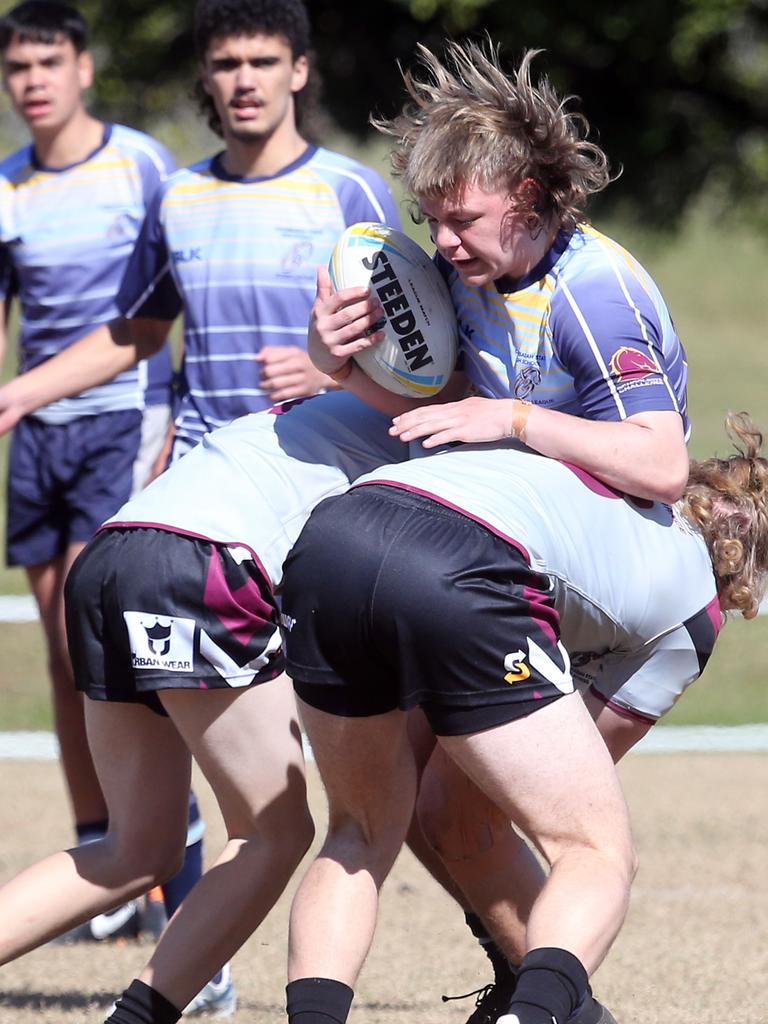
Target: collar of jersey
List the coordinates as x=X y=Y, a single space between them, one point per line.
x=60 y=170
x=218 y=170
x=506 y=285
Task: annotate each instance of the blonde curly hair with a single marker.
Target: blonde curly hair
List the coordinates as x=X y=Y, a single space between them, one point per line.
x=468 y=122
x=727 y=501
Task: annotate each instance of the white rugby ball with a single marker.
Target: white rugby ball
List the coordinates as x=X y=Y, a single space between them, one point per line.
x=418 y=352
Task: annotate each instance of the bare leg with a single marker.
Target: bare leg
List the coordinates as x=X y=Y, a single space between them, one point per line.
x=369 y=773
x=487 y=859
x=620 y=732
x=248 y=744
x=478 y=845
x=47 y=583
x=426 y=846
x=552 y=775
x=144 y=769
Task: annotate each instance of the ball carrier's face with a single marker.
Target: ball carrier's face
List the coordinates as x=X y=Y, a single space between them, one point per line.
x=483 y=235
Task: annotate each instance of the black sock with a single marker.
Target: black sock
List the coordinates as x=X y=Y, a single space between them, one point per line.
x=551 y=983
x=140 y=1004
x=318 y=1001
x=503 y=970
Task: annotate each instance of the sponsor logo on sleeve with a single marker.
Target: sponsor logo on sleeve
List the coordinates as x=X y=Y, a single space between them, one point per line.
x=160 y=641
x=631 y=368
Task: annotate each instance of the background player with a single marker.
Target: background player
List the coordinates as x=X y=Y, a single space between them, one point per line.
x=235 y=240
x=473 y=574
x=71 y=205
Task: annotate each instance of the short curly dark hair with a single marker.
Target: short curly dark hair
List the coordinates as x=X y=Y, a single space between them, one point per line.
x=216 y=19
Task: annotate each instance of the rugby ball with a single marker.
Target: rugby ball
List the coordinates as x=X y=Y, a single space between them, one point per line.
x=418 y=352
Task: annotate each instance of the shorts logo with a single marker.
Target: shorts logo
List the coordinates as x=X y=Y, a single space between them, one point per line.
x=631 y=364
x=160 y=641
x=539 y=661
x=517 y=670
x=160 y=635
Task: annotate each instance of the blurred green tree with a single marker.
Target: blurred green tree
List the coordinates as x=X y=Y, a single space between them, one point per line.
x=676 y=91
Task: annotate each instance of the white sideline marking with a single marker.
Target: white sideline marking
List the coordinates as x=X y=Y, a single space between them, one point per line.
x=18 y=608
x=664 y=739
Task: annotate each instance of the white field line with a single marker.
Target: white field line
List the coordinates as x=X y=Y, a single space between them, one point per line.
x=662 y=739
x=665 y=739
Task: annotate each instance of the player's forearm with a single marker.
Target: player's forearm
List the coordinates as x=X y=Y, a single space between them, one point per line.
x=644 y=456
x=373 y=394
x=89 y=362
x=352 y=378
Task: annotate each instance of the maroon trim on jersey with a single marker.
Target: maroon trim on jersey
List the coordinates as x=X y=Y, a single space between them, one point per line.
x=621 y=709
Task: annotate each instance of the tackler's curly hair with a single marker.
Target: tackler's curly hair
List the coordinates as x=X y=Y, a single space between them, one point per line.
x=727 y=500
x=467 y=122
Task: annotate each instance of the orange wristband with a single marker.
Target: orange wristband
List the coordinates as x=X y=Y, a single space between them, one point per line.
x=343 y=372
x=520 y=412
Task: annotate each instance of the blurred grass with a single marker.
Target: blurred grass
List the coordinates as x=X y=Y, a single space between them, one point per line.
x=711 y=276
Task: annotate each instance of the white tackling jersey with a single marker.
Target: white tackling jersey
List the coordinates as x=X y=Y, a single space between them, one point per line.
x=633 y=580
x=254 y=483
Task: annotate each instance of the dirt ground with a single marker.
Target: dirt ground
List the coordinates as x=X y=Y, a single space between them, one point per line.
x=694 y=949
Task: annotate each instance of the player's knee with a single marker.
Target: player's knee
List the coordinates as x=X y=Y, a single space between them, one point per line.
x=146 y=860
x=360 y=844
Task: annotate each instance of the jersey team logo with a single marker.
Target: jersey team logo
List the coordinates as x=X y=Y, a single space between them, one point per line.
x=632 y=364
x=160 y=641
x=525 y=382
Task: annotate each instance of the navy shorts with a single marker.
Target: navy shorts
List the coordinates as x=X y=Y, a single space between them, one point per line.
x=391 y=600
x=151 y=610
x=65 y=480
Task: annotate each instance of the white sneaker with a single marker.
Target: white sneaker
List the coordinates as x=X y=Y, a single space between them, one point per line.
x=121 y=923
x=217 y=999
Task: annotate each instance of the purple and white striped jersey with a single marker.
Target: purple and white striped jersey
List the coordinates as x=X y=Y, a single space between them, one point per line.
x=239 y=256
x=66 y=235
x=632 y=580
x=586 y=332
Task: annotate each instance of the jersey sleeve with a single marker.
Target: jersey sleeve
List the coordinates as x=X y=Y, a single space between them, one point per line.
x=148 y=288
x=367 y=197
x=157 y=165
x=608 y=334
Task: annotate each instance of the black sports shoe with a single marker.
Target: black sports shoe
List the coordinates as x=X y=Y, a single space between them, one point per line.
x=592 y=1012
x=493 y=1000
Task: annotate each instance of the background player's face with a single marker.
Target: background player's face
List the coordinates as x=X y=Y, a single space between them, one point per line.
x=480 y=234
x=252 y=81
x=45 y=81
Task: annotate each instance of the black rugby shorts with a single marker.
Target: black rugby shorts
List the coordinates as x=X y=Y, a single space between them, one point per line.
x=392 y=600
x=150 y=610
